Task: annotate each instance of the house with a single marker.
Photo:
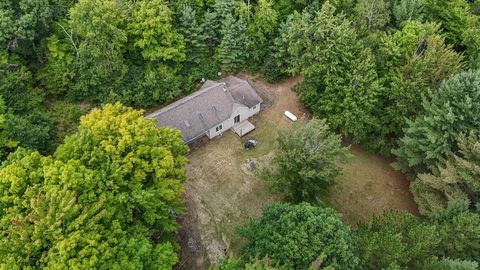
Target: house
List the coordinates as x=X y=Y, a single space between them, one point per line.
x=210 y=111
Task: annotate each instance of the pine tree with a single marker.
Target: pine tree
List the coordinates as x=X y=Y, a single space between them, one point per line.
x=231 y=52
x=432 y=137
x=458 y=180
x=214 y=20
x=193 y=35
x=345 y=90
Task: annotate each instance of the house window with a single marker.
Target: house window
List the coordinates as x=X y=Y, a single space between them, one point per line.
x=218 y=128
x=236 y=119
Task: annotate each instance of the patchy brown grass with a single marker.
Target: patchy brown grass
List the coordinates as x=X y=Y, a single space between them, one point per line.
x=222 y=194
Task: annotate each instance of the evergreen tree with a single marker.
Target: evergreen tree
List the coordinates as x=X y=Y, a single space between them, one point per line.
x=260 y=30
x=416 y=60
x=432 y=137
x=449 y=239
x=231 y=52
x=458 y=180
x=396 y=241
x=461 y=26
x=345 y=90
x=214 y=20
x=192 y=32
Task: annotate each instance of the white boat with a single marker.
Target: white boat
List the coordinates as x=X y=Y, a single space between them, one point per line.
x=290 y=116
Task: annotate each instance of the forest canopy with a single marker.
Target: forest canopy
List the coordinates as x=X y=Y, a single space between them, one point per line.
x=103 y=190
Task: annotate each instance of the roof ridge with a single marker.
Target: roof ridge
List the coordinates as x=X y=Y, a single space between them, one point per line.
x=185 y=99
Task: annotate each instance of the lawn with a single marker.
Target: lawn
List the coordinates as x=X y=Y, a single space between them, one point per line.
x=222 y=194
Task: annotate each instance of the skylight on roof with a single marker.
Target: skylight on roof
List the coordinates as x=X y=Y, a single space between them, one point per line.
x=187 y=123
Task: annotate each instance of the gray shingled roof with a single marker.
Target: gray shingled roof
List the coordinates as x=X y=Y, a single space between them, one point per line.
x=242 y=91
x=193 y=115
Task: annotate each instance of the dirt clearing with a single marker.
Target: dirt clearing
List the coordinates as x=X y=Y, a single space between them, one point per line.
x=222 y=194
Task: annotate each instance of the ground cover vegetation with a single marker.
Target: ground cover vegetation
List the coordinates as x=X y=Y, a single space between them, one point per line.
x=399 y=77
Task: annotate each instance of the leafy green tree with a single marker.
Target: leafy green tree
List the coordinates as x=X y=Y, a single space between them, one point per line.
x=57 y=75
x=459 y=232
x=458 y=180
x=107 y=198
x=462 y=28
x=416 y=60
x=295 y=235
x=22 y=22
x=100 y=27
x=231 y=52
x=452 y=110
x=15 y=83
x=396 y=241
x=33 y=130
x=260 y=30
x=153 y=32
x=306 y=161
x=6 y=143
x=66 y=117
x=372 y=14
x=195 y=38
x=149 y=85
x=408 y=10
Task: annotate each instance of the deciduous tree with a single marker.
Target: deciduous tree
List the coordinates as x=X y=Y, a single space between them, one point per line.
x=396 y=241
x=306 y=161
x=296 y=235
x=153 y=32
x=6 y=143
x=408 y=10
x=106 y=199
x=100 y=26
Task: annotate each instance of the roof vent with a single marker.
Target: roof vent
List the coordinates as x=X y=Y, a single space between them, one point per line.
x=200 y=116
x=187 y=124
x=224 y=87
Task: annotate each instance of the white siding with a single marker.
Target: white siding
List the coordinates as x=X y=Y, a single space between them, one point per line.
x=238 y=109
x=226 y=125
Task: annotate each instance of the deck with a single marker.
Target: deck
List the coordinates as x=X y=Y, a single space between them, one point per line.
x=243 y=128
